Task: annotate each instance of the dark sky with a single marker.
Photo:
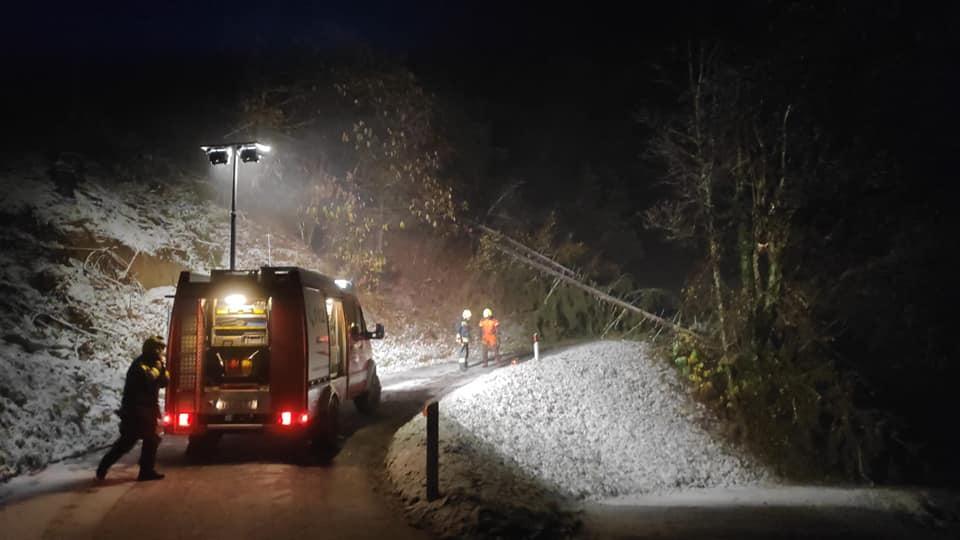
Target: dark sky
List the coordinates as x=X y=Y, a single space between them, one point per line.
x=125 y=30
x=558 y=83
x=119 y=31
x=575 y=69
x=497 y=49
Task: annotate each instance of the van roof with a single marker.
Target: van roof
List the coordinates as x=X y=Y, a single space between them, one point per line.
x=199 y=284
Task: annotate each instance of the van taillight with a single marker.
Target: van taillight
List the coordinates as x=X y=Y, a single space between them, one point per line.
x=287 y=418
x=167 y=419
x=184 y=420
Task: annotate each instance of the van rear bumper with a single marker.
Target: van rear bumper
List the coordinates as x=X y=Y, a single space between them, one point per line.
x=265 y=423
x=235 y=427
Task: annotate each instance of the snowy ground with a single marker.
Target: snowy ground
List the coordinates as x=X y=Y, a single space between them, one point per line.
x=600 y=420
x=73 y=310
x=520 y=445
x=403 y=349
x=600 y=440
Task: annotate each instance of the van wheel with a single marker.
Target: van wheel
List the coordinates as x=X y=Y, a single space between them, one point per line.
x=202 y=446
x=327 y=425
x=369 y=401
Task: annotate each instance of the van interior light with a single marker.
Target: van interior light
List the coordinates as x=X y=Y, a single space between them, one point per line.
x=342 y=283
x=235 y=300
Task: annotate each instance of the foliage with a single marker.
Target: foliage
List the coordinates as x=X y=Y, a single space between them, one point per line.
x=361 y=157
x=745 y=173
x=556 y=310
x=398 y=150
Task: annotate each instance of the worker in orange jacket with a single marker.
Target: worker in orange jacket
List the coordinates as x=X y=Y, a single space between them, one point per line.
x=489 y=338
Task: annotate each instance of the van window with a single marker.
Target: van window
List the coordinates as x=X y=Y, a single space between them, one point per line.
x=354 y=315
x=318 y=361
x=360 y=321
x=338 y=337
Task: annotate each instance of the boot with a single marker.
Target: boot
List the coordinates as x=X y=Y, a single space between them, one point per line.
x=145 y=476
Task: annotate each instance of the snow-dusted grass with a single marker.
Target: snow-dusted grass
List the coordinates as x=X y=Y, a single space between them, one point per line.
x=60 y=381
x=591 y=422
x=482 y=494
x=73 y=317
x=408 y=350
x=599 y=420
x=52 y=407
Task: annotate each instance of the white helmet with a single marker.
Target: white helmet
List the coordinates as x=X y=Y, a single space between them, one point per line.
x=466 y=314
x=487 y=312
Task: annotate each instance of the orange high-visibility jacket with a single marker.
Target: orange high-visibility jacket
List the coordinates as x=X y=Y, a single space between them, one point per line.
x=488 y=331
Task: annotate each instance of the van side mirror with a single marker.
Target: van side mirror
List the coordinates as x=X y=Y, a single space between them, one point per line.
x=376 y=334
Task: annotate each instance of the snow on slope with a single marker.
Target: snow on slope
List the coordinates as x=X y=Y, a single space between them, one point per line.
x=71 y=314
x=595 y=421
x=406 y=349
x=600 y=420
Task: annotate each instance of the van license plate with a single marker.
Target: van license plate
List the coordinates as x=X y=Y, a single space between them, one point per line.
x=228 y=418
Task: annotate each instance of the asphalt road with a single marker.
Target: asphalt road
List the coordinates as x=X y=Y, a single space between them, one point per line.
x=782 y=512
x=252 y=488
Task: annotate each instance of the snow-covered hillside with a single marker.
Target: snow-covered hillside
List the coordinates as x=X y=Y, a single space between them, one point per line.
x=600 y=420
x=595 y=421
x=74 y=308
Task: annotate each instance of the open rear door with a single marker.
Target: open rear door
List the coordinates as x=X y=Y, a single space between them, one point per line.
x=186 y=344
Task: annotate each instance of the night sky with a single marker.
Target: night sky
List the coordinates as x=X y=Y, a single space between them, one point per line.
x=559 y=86
x=513 y=56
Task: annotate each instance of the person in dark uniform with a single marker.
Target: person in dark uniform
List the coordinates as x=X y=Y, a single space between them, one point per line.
x=140 y=409
x=463 y=338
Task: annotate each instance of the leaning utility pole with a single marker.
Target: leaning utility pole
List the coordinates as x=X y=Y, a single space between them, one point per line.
x=519 y=252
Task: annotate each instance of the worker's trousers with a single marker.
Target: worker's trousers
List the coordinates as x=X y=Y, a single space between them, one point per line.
x=464 y=354
x=490 y=350
x=129 y=435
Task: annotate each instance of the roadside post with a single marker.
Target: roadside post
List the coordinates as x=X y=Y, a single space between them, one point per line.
x=536 y=346
x=432 y=411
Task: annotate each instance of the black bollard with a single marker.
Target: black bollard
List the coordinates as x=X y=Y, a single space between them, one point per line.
x=432 y=411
